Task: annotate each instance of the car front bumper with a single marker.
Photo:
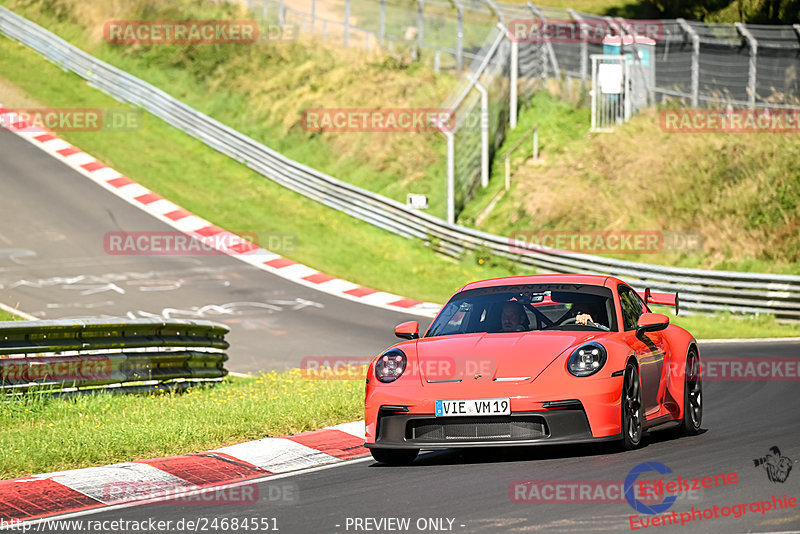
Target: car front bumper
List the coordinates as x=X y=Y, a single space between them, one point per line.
x=406 y=431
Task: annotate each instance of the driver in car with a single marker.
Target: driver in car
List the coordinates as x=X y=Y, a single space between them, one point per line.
x=583 y=313
x=513 y=318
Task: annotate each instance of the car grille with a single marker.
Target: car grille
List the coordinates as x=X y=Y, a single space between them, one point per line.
x=476 y=428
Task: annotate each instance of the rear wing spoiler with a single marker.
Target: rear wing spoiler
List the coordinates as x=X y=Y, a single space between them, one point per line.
x=664 y=299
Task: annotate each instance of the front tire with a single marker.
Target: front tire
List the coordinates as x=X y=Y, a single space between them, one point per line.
x=394 y=456
x=692 y=396
x=631 y=407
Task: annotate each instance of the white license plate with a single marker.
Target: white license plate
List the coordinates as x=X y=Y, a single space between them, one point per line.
x=450 y=408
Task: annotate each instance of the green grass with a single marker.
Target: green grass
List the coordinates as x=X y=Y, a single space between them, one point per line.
x=39 y=434
x=741 y=192
x=5 y=316
x=8 y=316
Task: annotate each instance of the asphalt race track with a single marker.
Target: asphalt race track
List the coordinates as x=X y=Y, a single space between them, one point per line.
x=741 y=421
x=53 y=265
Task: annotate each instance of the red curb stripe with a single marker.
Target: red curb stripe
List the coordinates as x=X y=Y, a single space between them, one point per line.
x=244 y=247
x=28 y=499
x=120 y=182
x=68 y=151
x=45 y=138
x=179 y=213
x=318 y=278
x=405 y=303
x=3 y=110
x=361 y=291
x=206 y=469
x=20 y=125
x=148 y=198
x=93 y=166
x=334 y=442
x=208 y=231
x=280 y=263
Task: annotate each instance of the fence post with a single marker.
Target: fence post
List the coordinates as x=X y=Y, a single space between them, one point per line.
x=584 y=46
x=753 y=44
x=420 y=27
x=513 y=83
x=346 y=23
x=484 y=132
x=594 y=94
x=382 y=29
x=695 y=60
x=313 y=14
x=459 y=35
x=437 y=60
x=548 y=45
x=281 y=13
x=496 y=10
x=451 y=177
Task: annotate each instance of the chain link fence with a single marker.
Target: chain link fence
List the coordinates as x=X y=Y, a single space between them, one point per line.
x=699 y=64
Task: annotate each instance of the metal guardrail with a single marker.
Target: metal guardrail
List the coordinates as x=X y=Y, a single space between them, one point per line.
x=700 y=289
x=59 y=354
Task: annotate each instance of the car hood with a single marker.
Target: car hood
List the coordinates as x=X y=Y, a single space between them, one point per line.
x=494 y=356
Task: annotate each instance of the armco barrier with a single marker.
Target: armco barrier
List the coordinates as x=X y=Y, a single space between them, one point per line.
x=61 y=354
x=699 y=289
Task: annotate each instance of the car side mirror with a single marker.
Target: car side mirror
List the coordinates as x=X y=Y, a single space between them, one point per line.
x=651 y=322
x=407 y=330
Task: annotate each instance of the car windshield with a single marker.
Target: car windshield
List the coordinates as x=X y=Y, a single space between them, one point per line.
x=526 y=308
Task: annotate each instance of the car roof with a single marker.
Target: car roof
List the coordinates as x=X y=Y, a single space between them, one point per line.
x=588 y=279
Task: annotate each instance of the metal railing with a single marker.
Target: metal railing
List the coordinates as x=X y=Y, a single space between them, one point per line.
x=533 y=133
x=700 y=289
x=95 y=353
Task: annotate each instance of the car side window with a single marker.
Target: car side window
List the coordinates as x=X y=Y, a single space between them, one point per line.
x=632 y=307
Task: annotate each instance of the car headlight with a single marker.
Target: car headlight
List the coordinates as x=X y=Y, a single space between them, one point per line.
x=390 y=365
x=587 y=359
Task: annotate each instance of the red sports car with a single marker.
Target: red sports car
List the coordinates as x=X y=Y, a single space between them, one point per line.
x=538 y=359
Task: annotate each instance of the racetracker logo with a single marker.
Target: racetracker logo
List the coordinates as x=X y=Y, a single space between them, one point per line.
x=743 y=369
x=431 y=369
x=378 y=120
x=72 y=119
x=604 y=242
x=197 y=243
x=168 y=492
x=730 y=121
x=591 y=31
x=155 y=32
x=55 y=369
x=590 y=491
